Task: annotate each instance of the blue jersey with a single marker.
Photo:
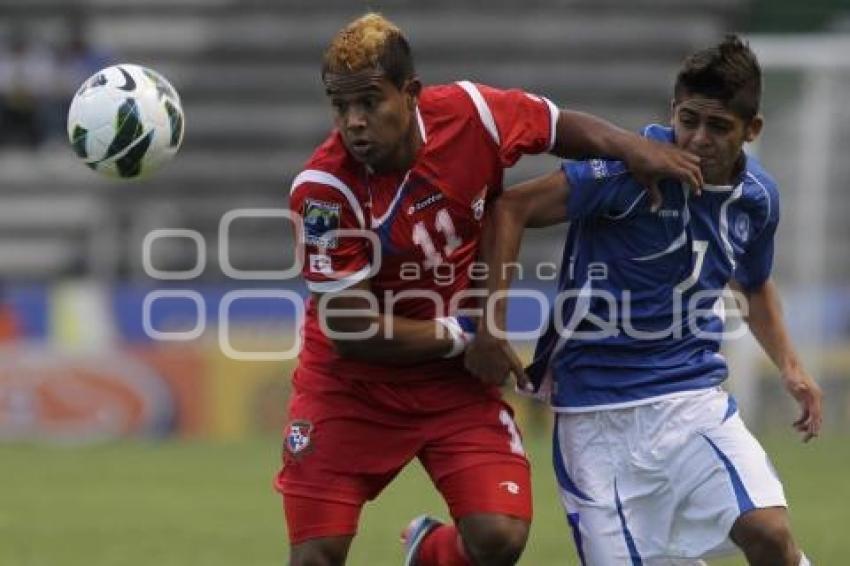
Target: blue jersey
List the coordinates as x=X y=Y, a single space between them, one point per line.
x=639 y=313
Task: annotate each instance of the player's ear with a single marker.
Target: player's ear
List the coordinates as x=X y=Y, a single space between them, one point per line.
x=753 y=129
x=672 y=110
x=412 y=87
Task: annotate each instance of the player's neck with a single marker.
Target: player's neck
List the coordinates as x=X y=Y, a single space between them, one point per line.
x=734 y=173
x=738 y=168
x=405 y=155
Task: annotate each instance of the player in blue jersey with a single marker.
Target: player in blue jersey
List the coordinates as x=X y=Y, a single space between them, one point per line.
x=653 y=461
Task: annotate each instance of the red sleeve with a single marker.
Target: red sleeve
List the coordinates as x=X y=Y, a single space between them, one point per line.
x=332 y=261
x=525 y=122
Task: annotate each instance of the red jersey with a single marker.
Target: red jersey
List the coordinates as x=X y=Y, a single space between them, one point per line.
x=423 y=225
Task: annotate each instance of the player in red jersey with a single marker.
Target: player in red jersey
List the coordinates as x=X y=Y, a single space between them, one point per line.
x=392 y=206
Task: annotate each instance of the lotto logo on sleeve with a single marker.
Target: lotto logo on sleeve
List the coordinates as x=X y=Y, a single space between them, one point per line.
x=298 y=437
x=320 y=218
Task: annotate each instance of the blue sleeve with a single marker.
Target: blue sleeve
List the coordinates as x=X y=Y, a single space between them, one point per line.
x=755 y=265
x=600 y=188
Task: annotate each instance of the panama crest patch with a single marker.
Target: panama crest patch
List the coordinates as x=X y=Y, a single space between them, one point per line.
x=320 y=220
x=297 y=438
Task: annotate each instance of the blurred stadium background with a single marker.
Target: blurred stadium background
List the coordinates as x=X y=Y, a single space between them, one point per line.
x=119 y=449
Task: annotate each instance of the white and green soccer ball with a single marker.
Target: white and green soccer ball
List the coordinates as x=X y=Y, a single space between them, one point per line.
x=126 y=121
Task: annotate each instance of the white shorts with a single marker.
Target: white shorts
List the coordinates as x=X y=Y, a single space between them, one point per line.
x=660 y=481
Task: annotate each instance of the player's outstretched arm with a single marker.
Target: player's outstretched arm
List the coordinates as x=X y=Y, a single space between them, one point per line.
x=535 y=203
x=358 y=330
x=579 y=136
x=768 y=326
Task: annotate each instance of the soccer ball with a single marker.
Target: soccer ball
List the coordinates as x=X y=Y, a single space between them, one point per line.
x=126 y=121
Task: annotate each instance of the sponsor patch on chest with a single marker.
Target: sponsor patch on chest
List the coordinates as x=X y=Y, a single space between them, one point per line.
x=742 y=227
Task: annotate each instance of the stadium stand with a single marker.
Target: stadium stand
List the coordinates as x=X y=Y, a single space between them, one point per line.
x=248 y=75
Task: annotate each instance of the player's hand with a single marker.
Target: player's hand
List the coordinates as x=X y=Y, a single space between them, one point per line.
x=808 y=395
x=650 y=162
x=493 y=361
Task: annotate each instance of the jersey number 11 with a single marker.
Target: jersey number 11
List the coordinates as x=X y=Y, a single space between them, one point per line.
x=422 y=238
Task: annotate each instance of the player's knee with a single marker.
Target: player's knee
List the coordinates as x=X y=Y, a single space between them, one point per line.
x=766 y=538
x=319 y=552
x=494 y=539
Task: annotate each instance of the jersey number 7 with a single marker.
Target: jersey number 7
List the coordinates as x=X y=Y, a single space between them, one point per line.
x=700 y=247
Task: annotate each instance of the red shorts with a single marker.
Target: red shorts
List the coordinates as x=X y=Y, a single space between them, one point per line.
x=342 y=447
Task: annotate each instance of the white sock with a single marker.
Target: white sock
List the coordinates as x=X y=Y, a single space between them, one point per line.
x=804 y=561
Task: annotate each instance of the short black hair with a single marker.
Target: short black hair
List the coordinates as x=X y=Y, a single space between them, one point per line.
x=729 y=72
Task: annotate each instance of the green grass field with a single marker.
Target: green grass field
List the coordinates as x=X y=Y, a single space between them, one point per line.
x=202 y=504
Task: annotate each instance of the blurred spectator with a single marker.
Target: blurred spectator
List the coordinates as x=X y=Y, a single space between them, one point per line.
x=80 y=59
x=27 y=91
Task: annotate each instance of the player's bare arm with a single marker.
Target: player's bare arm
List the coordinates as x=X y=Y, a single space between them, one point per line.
x=768 y=326
x=536 y=203
x=579 y=136
x=358 y=330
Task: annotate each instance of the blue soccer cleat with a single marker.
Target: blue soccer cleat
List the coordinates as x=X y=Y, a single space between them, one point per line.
x=414 y=534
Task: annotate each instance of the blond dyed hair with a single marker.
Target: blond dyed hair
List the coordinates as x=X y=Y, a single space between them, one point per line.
x=370 y=42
